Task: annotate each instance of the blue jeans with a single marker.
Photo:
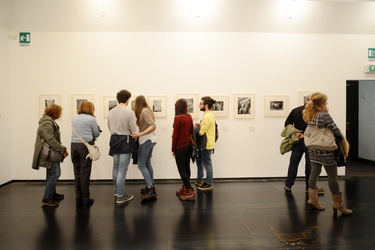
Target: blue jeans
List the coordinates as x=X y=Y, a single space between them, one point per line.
x=297 y=152
x=144 y=161
x=204 y=160
x=120 y=167
x=52 y=177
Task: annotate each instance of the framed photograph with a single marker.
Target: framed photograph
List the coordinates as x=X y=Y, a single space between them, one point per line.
x=192 y=102
x=109 y=103
x=302 y=95
x=158 y=104
x=221 y=107
x=131 y=103
x=276 y=105
x=77 y=99
x=244 y=106
x=48 y=99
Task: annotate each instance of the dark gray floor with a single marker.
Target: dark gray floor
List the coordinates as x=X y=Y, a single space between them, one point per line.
x=251 y=214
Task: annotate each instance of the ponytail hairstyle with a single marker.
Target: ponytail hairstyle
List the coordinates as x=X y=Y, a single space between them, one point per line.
x=209 y=101
x=317 y=103
x=139 y=105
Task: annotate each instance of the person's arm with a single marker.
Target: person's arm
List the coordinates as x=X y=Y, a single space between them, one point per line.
x=148 y=119
x=332 y=126
x=176 y=133
x=48 y=134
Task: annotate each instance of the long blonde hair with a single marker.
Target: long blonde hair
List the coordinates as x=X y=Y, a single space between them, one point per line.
x=317 y=103
x=139 y=105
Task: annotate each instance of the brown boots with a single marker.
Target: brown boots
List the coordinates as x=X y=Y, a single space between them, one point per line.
x=182 y=191
x=338 y=204
x=189 y=196
x=313 y=199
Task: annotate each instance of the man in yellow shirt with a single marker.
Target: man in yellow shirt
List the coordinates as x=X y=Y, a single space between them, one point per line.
x=207 y=127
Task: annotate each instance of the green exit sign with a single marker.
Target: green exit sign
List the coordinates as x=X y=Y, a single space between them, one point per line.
x=371 y=53
x=24 y=38
x=371 y=68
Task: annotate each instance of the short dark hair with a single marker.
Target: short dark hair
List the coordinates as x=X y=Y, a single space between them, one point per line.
x=123 y=96
x=180 y=107
x=209 y=101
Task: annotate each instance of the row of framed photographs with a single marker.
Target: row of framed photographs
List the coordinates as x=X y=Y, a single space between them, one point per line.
x=244 y=104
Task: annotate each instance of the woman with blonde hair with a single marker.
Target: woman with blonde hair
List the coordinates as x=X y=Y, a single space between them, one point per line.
x=49 y=132
x=316 y=113
x=147 y=140
x=86 y=126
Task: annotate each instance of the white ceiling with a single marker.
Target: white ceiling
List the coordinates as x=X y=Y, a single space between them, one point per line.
x=269 y=16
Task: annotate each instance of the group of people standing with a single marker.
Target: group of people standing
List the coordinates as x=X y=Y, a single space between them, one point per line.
x=132 y=137
x=314 y=113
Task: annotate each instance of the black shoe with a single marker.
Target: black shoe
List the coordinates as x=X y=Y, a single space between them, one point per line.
x=143 y=190
x=88 y=204
x=58 y=197
x=287 y=189
x=150 y=193
x=50 y=202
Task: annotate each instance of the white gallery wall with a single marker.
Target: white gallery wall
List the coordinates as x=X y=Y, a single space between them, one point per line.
x=77 y=59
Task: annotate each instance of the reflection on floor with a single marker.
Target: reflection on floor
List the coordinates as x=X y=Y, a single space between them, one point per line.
x=242 y=214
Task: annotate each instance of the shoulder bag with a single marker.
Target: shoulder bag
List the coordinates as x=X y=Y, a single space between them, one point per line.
x=94 y=153
x=319 y=138
x=50 y=154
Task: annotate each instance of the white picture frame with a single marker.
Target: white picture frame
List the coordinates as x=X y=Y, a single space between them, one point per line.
x=192 y=102
x=221 y=107
x=302 y=95
x=244 y=106
x=158 y=105
x=77 y=99
x=48 y=99
x=109 y=103
x=276 y=105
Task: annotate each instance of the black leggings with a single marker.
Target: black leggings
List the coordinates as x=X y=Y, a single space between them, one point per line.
x=331 y=170
x=183 y=164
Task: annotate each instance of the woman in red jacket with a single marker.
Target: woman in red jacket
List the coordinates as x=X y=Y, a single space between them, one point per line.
x=182 y=148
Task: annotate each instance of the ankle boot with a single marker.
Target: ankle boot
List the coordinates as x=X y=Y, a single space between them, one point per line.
x=189 y=196
x=182 y=191
x=338 y=204
x=313 y=199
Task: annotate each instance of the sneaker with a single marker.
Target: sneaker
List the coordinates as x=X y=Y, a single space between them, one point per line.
x=150 y=193
x=287 y=189
x=88 y=204
x=205 y=186
x=143 y=190
x=124 y=198
x=58 y=197
x=50 y=202
x=198 y=184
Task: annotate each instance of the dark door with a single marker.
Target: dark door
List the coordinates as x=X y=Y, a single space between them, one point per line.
x=352 y=91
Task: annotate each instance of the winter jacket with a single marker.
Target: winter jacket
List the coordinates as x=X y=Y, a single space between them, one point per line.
x=290 y=138
x=48 y=131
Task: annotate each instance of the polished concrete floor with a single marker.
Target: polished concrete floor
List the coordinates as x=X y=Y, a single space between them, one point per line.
x=241 y=214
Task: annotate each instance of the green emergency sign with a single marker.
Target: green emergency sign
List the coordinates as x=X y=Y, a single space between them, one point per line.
x=371 y=53
x=24 y=37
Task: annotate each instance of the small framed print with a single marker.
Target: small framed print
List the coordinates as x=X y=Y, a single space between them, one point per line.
x=77 y=99
x=131 y=102
x=244 y=106
x=302 y=96
x=221 y=107
x=48 y=99
x=158 y=104
x=276 y=105
x=192 y=102
x=109 y=103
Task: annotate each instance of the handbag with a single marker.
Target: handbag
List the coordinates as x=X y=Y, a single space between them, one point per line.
x=319 y=138
x=51 y=154
x=94 y=153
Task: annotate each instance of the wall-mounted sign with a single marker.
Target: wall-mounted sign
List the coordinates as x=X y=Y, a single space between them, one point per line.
x=24 y=38
x=371 y=53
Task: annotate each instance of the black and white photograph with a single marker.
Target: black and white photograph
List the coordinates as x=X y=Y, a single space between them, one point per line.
x=276 y=105
x=158 y=104
x=244 y=106
x=46 y=100
x=77 y=99
x=192 y=102
x=109 y=103
x=221 y=107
